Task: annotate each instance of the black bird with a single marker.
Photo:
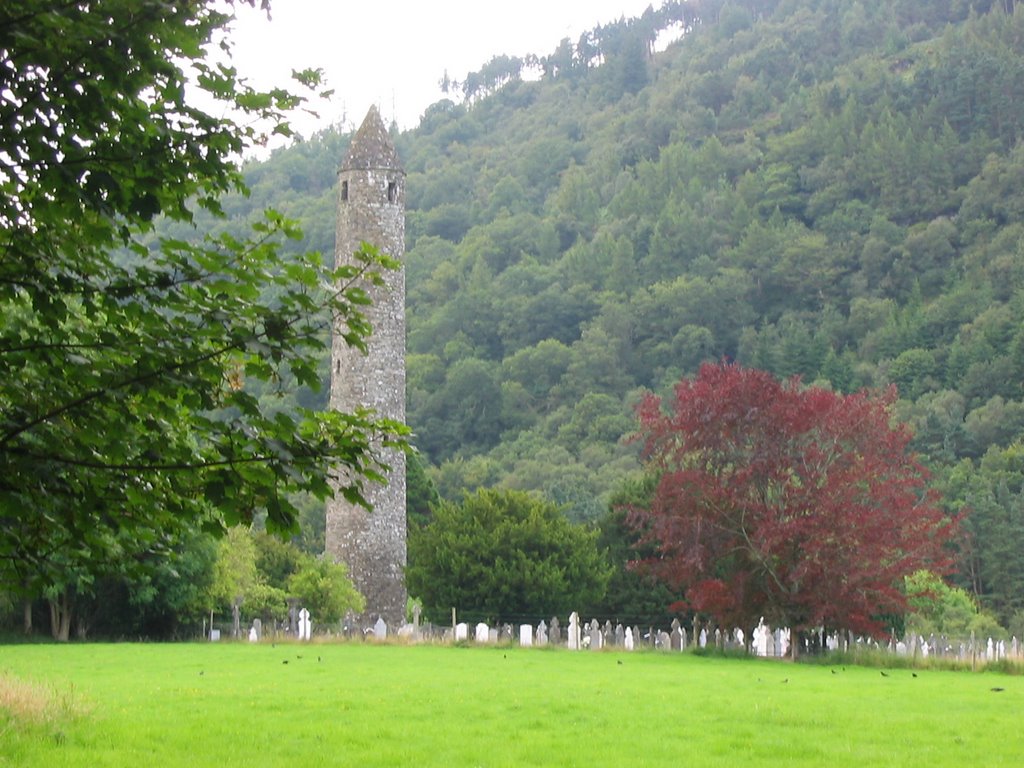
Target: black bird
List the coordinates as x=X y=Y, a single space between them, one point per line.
x=884 y=674
x=619 y=662
x=833 y=672
x=285 y=661
x=914 y=674
x=997 y=690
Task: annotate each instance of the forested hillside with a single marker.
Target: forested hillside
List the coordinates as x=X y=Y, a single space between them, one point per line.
x=814 y=187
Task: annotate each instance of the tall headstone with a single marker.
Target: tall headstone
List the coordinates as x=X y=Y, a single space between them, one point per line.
x=371 y=208
x=574 y=631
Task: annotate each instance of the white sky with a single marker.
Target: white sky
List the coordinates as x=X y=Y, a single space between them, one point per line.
x=393 y=54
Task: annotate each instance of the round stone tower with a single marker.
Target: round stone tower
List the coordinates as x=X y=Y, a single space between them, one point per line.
x=371 y=208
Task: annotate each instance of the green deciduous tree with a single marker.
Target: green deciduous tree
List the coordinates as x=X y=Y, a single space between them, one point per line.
x=124 y=412
x=324 y=589
x=503 y=555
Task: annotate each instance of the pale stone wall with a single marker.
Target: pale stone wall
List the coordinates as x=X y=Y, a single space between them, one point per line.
x=371 y=208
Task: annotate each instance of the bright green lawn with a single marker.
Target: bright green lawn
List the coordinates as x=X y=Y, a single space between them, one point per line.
x=241 y=705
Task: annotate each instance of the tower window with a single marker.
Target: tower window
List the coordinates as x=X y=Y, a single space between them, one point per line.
x=392 y=192
x=344 y=191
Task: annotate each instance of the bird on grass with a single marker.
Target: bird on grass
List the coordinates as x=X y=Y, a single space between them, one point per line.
x=884 y=673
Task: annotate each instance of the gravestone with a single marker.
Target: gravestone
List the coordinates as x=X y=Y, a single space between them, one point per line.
x=482 y=633
x=492 y=635
x=506 y=633
x=627 y=641
x=703 y=637
x=214 y=635
x=380 y=629
x=236 y=618
x=574 y=631
x=607 y=635
x=596 y=638
x=461 y=631
x=525 y=635
x=305 y=625
x=760 y=638
x=676 y=636
x=620 y=636
x=769 y=644
x=257 y=624
x=555 y=632
x=542 y=633
x=252 y=635
x=416 y=635
x=664 y=641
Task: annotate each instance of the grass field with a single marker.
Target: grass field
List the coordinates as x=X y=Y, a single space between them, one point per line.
x=366 y=705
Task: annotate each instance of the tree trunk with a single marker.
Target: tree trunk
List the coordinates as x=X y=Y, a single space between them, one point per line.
x=60 y=617
x=27 y=616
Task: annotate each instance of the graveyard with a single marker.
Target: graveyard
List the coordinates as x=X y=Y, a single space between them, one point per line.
x=387 y=703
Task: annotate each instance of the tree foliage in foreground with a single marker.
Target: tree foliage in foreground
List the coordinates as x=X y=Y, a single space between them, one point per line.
x=503 y=555
x=797 y=504
x=124 y=412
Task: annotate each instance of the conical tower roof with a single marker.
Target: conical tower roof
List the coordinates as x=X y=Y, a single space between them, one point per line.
x=371 y=147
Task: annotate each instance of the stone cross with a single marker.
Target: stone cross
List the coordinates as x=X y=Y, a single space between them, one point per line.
x=305 y=625
x=555 y=632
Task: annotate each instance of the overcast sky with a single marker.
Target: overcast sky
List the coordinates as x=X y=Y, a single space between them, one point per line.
x=393 y=54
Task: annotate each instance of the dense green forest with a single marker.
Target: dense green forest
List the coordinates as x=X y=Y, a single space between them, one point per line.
x=818 y=188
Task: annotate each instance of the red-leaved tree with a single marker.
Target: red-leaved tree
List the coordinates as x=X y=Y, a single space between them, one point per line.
x=796 y=504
